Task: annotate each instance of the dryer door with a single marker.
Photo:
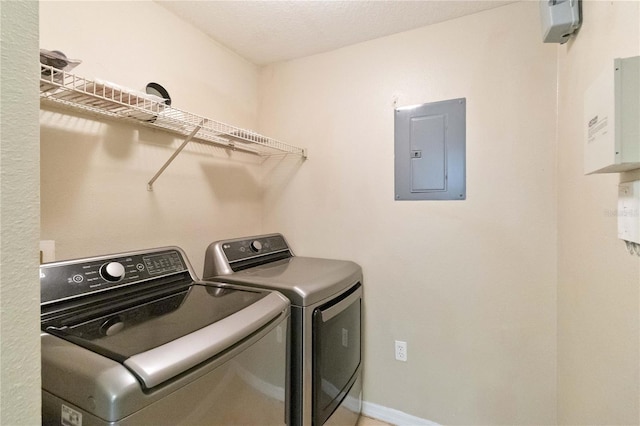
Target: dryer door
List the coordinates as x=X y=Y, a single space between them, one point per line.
x=336 y=351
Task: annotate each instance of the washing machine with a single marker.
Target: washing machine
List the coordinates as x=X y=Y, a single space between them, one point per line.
x=325 y=366
x=136 y=339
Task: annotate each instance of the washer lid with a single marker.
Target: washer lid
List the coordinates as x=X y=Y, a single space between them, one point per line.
x=164 y=337
x=304 y=280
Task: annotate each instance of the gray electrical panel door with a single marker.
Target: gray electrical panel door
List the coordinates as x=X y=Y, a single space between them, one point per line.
x=430 y=151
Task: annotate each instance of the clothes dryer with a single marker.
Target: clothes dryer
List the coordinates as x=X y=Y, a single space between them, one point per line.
x=325 y=382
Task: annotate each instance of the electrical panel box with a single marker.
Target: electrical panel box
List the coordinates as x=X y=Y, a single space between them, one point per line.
x=612 y=119
x=430 y=151
x=629 y=211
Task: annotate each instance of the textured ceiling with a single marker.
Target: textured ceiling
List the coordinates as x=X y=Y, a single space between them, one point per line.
x=270 y=31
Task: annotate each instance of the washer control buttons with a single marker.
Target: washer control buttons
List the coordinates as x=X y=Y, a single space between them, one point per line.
x=256 y=246
x=112 y=271
x=77 y=278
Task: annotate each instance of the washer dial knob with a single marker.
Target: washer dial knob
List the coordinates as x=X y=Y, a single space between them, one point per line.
x=256 y=246
x=112 y=271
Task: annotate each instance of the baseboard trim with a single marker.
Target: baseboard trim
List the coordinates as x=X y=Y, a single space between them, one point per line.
x=395 y=417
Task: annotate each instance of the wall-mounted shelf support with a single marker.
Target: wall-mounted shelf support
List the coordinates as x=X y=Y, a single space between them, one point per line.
x=173 y=156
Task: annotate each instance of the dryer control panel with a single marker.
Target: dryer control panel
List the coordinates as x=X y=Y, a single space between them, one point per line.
x=254 y=247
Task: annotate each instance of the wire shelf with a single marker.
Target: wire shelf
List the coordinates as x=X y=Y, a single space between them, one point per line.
x=107 y=99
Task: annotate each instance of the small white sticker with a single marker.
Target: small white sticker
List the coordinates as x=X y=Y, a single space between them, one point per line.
x=70 y=417
x=597 y=128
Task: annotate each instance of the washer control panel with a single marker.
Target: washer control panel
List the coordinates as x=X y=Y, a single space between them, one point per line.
x=236 y=250
x=65 y=280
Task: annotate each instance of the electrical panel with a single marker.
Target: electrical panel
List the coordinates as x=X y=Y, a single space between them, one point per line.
x=430 y=151
x=612 y=119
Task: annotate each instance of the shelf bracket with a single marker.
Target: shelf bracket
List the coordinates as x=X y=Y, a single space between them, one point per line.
x=174 y=155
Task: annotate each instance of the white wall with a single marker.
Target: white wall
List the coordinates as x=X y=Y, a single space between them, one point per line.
x=95 y=171
x=470 y=285
x=598 y=281
x=19 y=216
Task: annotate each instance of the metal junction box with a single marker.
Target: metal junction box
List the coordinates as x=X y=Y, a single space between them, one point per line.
x=560 y=19
x=430 y=151
x=612 y=119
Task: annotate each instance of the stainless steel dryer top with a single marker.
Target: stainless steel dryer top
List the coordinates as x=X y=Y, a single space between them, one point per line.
x=268 y=262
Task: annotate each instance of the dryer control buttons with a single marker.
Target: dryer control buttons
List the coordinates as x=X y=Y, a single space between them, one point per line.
x=112 y=271
x=256 y=246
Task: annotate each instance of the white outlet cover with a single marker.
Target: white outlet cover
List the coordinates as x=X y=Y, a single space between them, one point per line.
x=401 y=350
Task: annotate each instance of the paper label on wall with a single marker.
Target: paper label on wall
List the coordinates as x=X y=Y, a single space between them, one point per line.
x=70 y=417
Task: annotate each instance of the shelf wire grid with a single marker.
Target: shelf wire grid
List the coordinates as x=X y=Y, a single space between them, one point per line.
x=107 y=99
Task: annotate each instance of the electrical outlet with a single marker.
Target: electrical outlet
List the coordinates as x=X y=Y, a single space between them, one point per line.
x=401 y=350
